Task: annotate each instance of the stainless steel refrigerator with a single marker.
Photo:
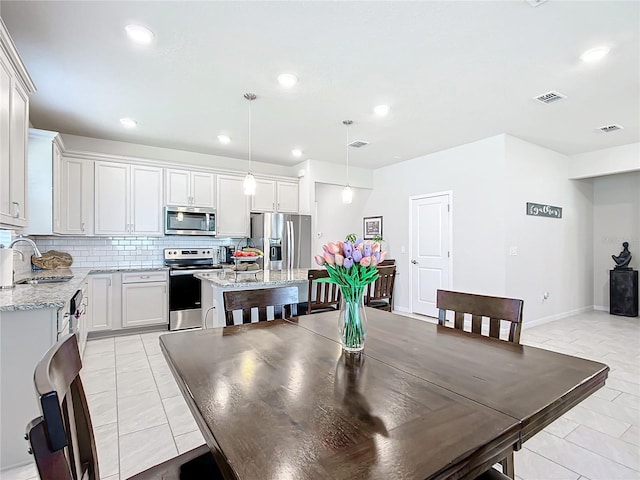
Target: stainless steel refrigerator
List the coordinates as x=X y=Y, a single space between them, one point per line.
x=284 y=238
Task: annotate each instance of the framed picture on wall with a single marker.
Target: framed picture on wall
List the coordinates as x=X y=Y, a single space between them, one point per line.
x=372 y=227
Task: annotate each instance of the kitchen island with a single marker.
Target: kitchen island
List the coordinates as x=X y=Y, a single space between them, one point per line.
x=214 y=284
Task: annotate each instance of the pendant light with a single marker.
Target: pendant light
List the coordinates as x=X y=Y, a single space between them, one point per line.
x=249 y=184
x=347 y=193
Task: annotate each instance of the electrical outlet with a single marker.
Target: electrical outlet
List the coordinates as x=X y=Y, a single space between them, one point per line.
x=545 y=296
x=513 y=251
x=403 y=249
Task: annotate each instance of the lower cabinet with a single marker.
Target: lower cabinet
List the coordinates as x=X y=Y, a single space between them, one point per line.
x=100 y=309
x=124 y=300
x=144 y=299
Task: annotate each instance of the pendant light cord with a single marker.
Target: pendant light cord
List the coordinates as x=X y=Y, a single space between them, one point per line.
x=251 y=97
x=347 y=123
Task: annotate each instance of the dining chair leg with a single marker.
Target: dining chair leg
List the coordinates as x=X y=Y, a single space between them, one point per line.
x=508 y=467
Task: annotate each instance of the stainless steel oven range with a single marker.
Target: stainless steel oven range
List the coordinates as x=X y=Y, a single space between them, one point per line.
x=184 y=289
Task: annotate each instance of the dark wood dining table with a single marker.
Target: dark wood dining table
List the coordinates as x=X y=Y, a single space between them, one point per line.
x=279 y=399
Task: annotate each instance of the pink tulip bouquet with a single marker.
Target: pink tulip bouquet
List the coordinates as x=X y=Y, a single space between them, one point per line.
x=352 y=265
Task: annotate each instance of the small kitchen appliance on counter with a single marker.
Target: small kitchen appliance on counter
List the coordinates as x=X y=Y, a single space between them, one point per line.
x=184 y=289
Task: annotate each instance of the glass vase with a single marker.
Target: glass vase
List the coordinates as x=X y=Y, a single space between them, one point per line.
x=352 y=322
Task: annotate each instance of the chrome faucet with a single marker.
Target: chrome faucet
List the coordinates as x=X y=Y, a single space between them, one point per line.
x=36 y=252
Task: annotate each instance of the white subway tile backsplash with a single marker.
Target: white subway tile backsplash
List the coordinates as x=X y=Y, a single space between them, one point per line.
x=122 y=251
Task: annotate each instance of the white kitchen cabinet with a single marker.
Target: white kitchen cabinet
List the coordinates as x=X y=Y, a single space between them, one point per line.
x=44 y=178
x=144 y=299
x=75 y=184
x=265 y=198
x=60 y=189
x=146 y=201
x=275 y=196
x=287 y=197
x=100 y=302
x=15 y=87
x=232 y=215
x=128 y=199
x=192 y=188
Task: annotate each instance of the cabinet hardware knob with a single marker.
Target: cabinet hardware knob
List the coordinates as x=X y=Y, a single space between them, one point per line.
x=29 y=451
x=26 y=436
x=83 y=226
x=17 y=204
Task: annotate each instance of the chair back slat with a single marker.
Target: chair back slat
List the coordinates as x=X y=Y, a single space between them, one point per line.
x=495 y=309
x=283 y=300
x=65 y=422
x=494 y=328
x=321 y=296
x=380 y=292
x=476 y=324
x=459 y=320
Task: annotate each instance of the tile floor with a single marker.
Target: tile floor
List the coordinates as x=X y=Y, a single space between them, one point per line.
x=140 y=418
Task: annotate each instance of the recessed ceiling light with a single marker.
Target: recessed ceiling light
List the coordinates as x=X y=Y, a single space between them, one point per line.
x=128 y=123
x=296 y=152
x=594 y=54
x=287 y=80
x=224 y=139
x=381 y=110
x=139 y=34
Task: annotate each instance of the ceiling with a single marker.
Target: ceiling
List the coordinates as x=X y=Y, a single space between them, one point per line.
x=452 y=73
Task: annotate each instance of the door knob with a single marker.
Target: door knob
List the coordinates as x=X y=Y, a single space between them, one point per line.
x=415 y=262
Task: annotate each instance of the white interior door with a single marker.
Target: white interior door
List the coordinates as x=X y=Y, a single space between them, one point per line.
x=430 y=250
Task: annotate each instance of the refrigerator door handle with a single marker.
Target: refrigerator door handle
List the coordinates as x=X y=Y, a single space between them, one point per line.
x=291 y=244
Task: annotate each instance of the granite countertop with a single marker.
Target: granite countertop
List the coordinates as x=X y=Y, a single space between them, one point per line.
x=260 y=278
x=43 y=295
x=53 y=295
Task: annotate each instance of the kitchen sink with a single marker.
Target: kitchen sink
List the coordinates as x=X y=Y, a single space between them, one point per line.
x=38 y=280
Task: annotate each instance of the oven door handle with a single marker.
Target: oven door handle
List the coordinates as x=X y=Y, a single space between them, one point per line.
x=175 y=273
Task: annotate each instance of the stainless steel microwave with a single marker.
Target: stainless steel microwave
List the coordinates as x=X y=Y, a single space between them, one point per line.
x=189 y=220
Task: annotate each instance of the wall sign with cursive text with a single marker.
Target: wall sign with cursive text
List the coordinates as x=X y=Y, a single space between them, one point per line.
x=539 y=210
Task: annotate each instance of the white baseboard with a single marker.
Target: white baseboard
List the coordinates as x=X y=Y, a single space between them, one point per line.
x=557 y=316
x=601 y=308
x=401 y=309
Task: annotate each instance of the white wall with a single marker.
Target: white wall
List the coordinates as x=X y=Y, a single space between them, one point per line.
x=335 y=220
x=616 y=212
x=475 y=173
x=625 y=158
x=553 y=255
x=96 y=145
x=317 y=172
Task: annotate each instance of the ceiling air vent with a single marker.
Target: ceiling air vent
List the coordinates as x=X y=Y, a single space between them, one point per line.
x=549 y=97
x=358 y=144
x=610 y=128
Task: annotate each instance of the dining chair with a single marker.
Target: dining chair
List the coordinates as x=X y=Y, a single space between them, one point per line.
x=496 y=310
x=322 y=297
x=62 y=441
x=284 y=301
x=380 y=292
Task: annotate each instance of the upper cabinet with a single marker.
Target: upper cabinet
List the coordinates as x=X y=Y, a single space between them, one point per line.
x=275 y=196
x=184 y=187
x=128 y=199
x=15 y=87
x=75 y=213
x=60 y=196
x=232 y=216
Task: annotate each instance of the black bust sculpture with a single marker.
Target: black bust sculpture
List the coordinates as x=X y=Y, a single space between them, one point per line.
x=622 y=260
